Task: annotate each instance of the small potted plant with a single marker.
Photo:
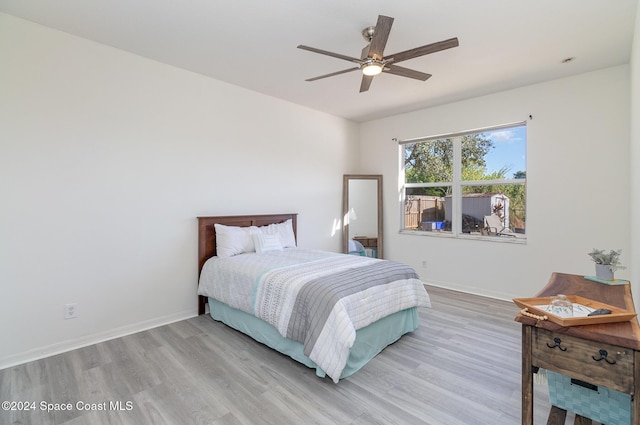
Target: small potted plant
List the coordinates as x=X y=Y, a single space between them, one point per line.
x=606 y=262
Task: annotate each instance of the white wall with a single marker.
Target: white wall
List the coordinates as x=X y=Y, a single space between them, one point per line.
x=634 y=159
x=577 y=183
x=107 y=158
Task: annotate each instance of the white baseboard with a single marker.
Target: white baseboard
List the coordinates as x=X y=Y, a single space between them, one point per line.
x=470 y=290
x=73 y=344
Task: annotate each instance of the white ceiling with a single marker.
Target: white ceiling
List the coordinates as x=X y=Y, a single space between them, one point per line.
x=252 y=43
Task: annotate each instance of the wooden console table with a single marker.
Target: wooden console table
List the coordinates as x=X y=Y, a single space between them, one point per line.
x=368 y=242
x=572 y=350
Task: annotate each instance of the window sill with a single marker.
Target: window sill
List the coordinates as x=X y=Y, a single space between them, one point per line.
x=499 y=239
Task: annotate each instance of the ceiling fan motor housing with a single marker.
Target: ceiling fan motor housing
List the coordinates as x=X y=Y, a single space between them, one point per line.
x=372 y=66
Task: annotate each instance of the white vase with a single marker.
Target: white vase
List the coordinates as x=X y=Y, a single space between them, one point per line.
x=604 y=272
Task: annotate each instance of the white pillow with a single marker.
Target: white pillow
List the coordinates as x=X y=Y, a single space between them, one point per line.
x=266 y=243
x=284 y=231
x=233 y=240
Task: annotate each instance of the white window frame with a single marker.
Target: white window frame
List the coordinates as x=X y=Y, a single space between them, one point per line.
x=456 y=185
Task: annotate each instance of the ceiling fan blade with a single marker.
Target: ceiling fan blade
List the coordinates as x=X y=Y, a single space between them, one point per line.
x=380 y=36
x=344 y=71
x=365 y=52
x=366 y=82
x=424 y=50
x=334 y=55
x=406 y=72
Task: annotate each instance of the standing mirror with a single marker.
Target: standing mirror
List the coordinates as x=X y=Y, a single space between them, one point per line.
x=362 y=215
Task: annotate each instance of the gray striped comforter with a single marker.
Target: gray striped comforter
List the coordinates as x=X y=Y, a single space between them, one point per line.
x=322 y=303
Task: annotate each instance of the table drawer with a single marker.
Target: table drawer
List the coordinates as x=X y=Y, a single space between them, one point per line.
x=367 y=242
x=594 y=362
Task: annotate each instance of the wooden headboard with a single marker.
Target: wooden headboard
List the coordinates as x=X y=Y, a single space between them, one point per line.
x=207 y=235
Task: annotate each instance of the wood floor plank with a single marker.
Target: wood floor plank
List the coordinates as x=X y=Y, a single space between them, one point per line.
x=462 y=366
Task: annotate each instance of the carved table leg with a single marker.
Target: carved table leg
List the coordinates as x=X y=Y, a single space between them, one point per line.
x=527 y=376
x=581 y=420
x=557 y=416
x=635 y=403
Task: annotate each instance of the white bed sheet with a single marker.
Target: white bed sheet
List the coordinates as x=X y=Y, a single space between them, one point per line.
x=240 y=272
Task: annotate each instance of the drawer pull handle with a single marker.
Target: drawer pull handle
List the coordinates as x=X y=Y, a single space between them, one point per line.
x=603 y=356
x=556 y=343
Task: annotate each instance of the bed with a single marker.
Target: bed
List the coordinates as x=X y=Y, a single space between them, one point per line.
x=254 y=285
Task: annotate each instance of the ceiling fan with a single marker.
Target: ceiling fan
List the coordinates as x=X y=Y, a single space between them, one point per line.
x=372 y=60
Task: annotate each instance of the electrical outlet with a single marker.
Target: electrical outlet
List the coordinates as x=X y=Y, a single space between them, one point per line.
x=70 y=311
x=424 y=264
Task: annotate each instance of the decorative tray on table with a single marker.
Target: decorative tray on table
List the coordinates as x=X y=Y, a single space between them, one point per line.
x=581 y=308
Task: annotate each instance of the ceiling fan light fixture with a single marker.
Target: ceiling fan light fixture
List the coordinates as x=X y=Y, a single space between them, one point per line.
x=372 y=67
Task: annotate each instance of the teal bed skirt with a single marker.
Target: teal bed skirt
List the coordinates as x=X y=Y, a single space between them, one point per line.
x=370 y=340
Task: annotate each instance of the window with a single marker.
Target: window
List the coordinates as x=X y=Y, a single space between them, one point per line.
x=470 y=184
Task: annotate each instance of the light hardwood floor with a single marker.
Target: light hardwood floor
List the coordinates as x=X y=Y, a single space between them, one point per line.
x=462 y=366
